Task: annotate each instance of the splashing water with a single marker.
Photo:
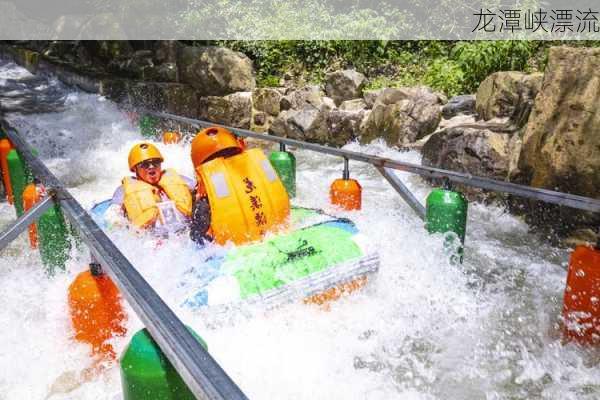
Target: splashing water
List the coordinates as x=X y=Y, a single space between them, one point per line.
x=422 y=329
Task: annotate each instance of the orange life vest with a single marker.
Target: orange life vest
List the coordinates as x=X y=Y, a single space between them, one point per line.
x=246 y=197
x=140 y=198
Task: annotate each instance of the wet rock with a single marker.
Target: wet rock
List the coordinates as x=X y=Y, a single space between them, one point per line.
x=507 y=95
x=308 y=124
x=353 y=105
x=480 y=152
x=297 y=99
x=370 y=96
x=138 y=65
x=343 y=126
x=166 y=72
x=401 y=122
x=319 y=125
x=328 y=102
x=423 y=94
x=344 y=85
x=234 y=109
x=459 y=105
x=215 y=71
x=166 y=51
x=181 y=100
x=267 y=100
x=561 y=144
x=260 y=118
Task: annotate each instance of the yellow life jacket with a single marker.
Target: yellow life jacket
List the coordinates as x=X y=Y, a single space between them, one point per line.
x=140 y=198
x=246 y=197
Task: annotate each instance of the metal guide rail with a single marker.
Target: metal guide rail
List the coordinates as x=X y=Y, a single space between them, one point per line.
x=383 y=164
x=204 y=377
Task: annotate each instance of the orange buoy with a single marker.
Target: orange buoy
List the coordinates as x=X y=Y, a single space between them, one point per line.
x=581 y=304
x=346 y=193
x=31 y=196
x=5 y=147
x=96 y=311
x=171 y=137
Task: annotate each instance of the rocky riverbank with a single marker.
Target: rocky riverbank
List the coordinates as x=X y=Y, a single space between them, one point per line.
x=535 y=129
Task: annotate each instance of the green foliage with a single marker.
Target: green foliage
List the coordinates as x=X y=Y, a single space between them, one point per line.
x=448 y=66
x=477 y=60
x=446 y=76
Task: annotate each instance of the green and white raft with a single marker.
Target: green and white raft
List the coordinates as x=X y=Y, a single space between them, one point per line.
x=321 y=252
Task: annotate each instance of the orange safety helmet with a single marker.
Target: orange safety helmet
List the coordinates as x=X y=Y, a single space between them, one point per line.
x=212 y=141
x=142 y=152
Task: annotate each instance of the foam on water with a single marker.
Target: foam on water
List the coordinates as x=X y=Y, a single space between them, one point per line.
x=422 y=329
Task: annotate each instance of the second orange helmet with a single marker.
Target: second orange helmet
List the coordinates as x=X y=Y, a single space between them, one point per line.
x=211 y=141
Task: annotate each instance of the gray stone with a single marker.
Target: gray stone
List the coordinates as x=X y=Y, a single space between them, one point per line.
x=508 y=95
x=267 y=100
x=402 y=122
x=480 y=152
x=370 y=96
x=561 y=144
x=215 y=71
x=344 y=85
x=353 y=105
x=464 y=104
x=233 y=110
x=297 y=99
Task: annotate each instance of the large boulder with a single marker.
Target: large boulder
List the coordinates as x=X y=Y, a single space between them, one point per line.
x=477 y=151
x=561 y=145
x=234 y=109
x=508 y=95
x=370 y=97
x=307 y=124
x=422 y=94
x=344 y=85
x=343 y=126
x=324 y=125
x=459 y=105
x=299 y=98
x=267 y=100
x=215 y=71
x=355 y=105
x=402 y=116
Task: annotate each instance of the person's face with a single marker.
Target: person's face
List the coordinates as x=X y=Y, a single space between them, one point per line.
x=149 y=171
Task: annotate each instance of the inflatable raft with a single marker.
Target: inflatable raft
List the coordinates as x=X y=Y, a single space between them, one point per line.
x=320 y=258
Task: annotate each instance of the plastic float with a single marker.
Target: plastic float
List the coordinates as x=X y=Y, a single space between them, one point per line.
x=581 y=306
x=171 y=137
x=320 y=258
x=5 y=148
x=346 y=193
x=96 y=311
x=30 y=197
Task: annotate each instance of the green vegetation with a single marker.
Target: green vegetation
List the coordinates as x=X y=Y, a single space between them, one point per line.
x=448 y=66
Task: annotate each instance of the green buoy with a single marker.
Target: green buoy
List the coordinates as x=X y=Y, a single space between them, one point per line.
x=284 y=163
x=20 y=176
x=54 y=239
x=146 y=373
x=447 y=212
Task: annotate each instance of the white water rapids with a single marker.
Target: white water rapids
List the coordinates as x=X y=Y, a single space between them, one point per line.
x=422 y=329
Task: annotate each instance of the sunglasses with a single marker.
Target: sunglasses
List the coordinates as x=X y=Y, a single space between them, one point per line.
x=150 y=164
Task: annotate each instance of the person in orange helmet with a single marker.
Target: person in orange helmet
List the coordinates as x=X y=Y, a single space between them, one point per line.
x=239 y=195
x=156 y=199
